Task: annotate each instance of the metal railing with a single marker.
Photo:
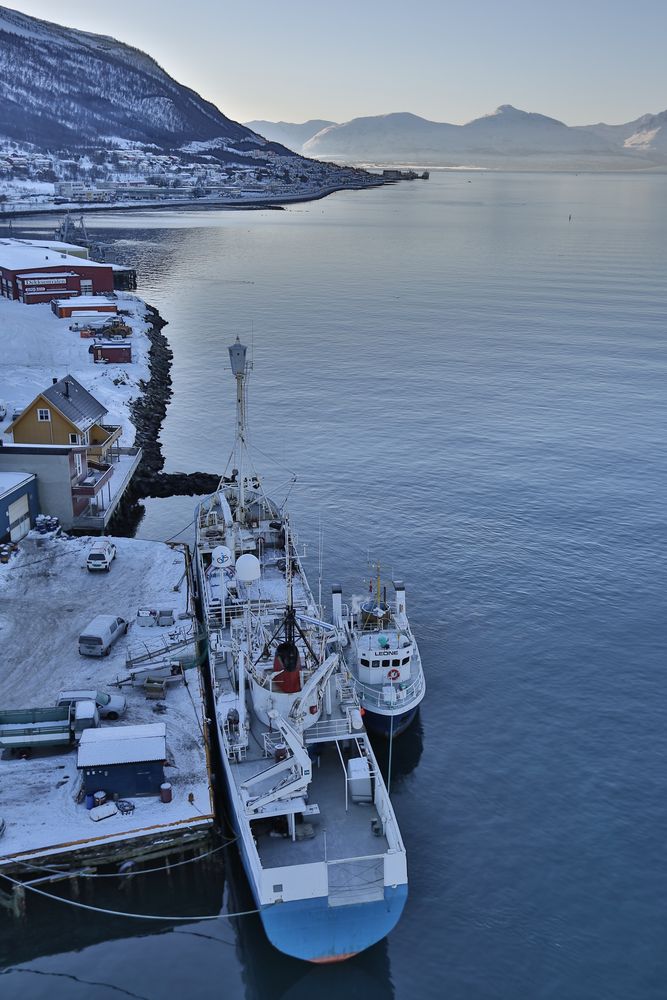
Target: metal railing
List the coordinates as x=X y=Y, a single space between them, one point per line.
x=327 y=729
x=356 y=880
x=376 y=696
x=96 y=520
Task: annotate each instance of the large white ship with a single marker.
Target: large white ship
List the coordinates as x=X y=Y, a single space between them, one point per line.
x=316 y=829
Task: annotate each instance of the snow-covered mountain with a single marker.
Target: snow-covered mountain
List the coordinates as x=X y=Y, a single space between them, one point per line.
x=290 y=134
x=647 y=134
x=507 y=138
x=60 y=87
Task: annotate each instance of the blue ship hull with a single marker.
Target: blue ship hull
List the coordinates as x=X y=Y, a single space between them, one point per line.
x=381 y=725
x=311 y=930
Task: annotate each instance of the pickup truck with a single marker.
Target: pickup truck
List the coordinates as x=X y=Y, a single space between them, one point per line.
x=21 y=728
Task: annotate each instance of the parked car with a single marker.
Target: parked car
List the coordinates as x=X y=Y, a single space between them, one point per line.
x=101 y=556
x=110 y=706
x=99 y=636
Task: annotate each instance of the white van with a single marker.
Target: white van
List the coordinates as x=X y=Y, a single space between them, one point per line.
x=101 y=555
x=109 y=706
x=86 y=716
x=98 y=637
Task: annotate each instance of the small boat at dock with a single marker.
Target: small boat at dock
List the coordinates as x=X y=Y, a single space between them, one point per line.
x=383 y=658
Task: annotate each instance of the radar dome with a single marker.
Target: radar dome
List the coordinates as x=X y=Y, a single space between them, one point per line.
x=248 y=569
x=222 y=556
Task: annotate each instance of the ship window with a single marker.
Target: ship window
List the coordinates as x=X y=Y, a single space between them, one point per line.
x=363 y=661
x=376 y=663
x=395 y=663
x=278 y=887
x=406 y=659
x=385 y=663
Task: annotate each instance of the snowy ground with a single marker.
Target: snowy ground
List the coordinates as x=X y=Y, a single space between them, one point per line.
x=47 y=597
x=36 y=346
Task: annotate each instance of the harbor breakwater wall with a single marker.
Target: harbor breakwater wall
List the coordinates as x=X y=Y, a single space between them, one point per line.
x=148 y=412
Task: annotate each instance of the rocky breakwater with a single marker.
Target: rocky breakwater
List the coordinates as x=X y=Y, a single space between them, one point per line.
x=148 y=412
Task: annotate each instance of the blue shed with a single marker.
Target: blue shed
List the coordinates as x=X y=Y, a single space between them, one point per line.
x=19 y=504
x=123 y=760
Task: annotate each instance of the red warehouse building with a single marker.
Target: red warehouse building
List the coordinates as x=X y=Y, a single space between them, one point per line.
x=66 y=308
x=111 y=353
x=36 y=274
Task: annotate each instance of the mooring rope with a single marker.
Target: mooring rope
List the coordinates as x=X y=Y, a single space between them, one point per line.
x=120 y=913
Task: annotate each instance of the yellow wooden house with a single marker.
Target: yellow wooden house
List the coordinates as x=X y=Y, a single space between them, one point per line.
x=66 y=413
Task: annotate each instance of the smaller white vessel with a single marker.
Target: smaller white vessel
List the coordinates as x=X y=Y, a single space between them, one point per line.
x=382 y=656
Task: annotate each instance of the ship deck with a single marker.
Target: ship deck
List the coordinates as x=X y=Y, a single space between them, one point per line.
x=338 y=833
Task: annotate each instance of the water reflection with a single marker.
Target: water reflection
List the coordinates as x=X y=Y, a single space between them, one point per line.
x=405 y=752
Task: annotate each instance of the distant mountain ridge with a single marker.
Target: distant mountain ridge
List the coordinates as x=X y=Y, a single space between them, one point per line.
x=289 y=134
x=506 y=137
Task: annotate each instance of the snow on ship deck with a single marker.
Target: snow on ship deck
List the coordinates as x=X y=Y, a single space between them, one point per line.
x=270 y=591
x=47 y=597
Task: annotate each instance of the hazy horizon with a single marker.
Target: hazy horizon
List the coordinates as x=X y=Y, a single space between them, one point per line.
x=578 y=63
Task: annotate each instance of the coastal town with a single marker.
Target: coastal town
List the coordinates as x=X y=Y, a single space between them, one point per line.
x=122 y=173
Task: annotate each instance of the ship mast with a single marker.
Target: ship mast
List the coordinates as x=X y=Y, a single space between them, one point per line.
x=237 y=357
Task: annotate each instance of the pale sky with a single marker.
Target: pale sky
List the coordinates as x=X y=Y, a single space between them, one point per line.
x=581 y=61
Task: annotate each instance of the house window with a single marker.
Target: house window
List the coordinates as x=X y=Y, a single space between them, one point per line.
x=85 y=439
x=86 y=286
x=74 y=439
x=44 y=415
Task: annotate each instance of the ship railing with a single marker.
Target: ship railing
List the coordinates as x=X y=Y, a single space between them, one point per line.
x=390 y=694
x=370 y=627
x=215 y=618
x=273 y=742
x=234 y=749
x=327 y=729
x=355 y=880
x=345 y=690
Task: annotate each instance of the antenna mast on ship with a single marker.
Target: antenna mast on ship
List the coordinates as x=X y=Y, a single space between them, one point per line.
x=240 y=369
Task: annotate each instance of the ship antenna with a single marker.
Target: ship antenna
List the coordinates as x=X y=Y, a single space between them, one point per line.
x=320 y=563
x=237 y=357
x=289 y=618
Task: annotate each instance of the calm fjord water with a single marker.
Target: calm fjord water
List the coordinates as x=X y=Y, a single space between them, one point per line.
x=471 y=387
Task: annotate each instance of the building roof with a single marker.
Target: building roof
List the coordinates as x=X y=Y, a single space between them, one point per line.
x=122 y=745
x=17 y=256
x=85 y=301
x=110 y=343
x=39 y=449
x=53 y=245
x=9 y=481
x=44 y=274
x=74 y=402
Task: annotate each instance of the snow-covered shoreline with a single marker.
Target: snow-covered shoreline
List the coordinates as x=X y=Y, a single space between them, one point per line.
x=235 y=204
